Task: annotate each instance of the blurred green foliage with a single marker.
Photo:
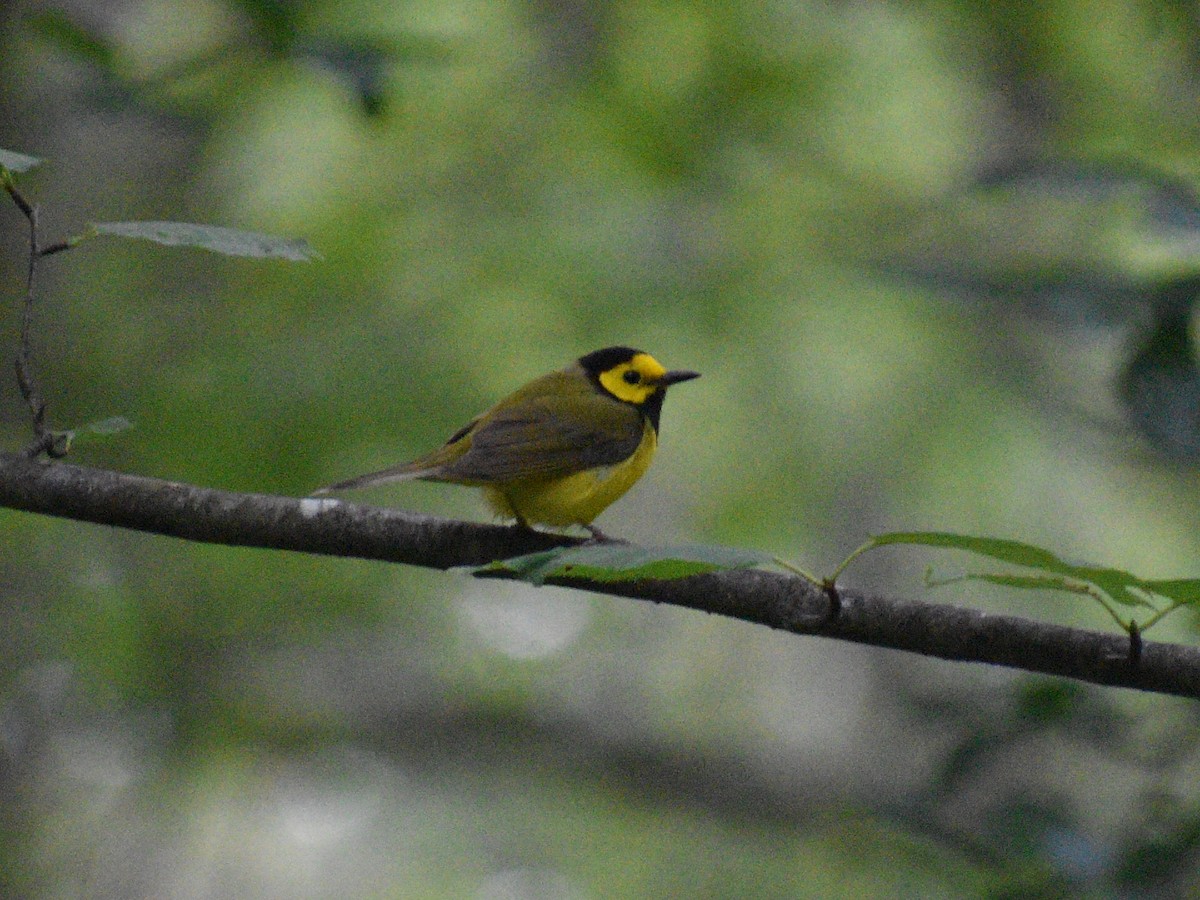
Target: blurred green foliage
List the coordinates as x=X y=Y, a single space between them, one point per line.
x=786 y=196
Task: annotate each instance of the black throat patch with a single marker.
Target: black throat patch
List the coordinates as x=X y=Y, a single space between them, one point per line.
x=652 y=408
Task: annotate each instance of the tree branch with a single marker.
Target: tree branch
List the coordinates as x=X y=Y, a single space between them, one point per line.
x=778 y=601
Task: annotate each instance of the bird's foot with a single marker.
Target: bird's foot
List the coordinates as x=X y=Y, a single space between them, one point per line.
x=599 y=537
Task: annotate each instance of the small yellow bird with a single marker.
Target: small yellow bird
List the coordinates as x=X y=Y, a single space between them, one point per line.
x=560 y=449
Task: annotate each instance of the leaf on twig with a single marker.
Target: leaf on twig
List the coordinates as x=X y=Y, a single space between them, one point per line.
x=101 y=428
x=229 y=241
x=17 y=162
x=1104 y=584
x=608 y=562
x=105 y=427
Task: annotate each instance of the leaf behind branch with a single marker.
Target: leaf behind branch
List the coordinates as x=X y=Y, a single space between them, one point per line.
x=608 y=562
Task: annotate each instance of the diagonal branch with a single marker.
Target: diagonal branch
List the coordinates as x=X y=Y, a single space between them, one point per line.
x=778 y=601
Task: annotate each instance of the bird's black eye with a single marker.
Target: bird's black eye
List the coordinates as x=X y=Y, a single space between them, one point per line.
x=632 y=377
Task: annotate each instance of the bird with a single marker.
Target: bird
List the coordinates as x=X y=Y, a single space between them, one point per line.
x=559 y=450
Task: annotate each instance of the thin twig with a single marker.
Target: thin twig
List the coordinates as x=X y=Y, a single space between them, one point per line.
x=56 y=247
x=44 y=441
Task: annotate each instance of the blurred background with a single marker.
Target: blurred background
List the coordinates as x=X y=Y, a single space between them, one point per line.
x=938 y=263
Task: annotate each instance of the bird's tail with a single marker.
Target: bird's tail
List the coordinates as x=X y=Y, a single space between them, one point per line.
x=406 y=472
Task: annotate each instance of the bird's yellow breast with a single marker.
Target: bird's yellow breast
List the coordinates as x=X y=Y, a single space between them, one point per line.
x=574 y=499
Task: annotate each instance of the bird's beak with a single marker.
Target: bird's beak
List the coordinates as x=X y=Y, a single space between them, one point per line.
x=677 y=376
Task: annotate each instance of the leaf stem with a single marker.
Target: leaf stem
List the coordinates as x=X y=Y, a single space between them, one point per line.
x=796 y=570
x=845 y=564
x=1162 y=614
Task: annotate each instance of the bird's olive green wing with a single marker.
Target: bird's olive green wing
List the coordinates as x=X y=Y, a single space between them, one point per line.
x=554 y=426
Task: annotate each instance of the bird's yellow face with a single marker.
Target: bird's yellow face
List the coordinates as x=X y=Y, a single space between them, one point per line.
x=634 y=381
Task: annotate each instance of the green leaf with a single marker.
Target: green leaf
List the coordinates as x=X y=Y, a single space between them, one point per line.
x=111 y=425
x=1005 y=550
x=608 y=562
x=229 y=241
x=17 y=162
x=1103 y=584
x=1121 y=586
x=1178 y=590
x=1040 y=583
x=101 y=428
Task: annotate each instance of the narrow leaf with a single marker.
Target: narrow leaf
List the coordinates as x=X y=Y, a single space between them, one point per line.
x=522 y=567
x=626 y=562
x=101 y=428
x=17 y=162
x=1118 y=585
x=1178 y=590
x=111 y=425
x=1009 y=551
x=1039 y=583
x=229 y=241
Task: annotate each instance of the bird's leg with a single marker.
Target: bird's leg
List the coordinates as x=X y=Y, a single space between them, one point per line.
x=599 y=537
